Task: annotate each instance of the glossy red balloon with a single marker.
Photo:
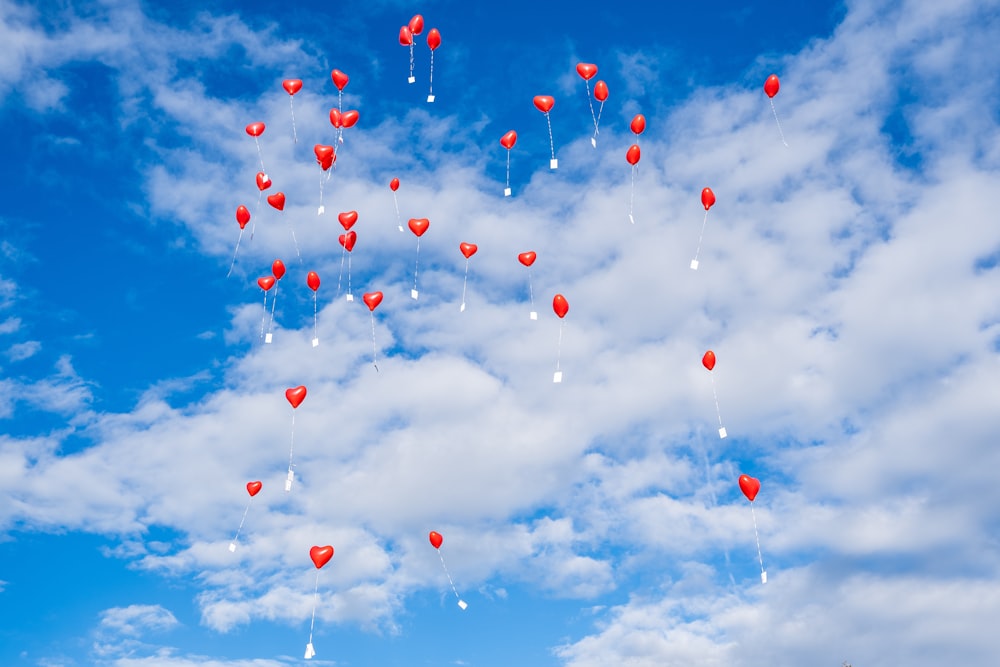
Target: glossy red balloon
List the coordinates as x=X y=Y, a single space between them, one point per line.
x=253 y=488
x=339 y=79
x=405 y=36
x=255 y=129
x=508 y=140
x=321 y=555
x=278 y=269
x=277 y=200
x=242 y=215
x=416 y=24
x=433 y=38
x=372 y=300
x=436 y=539
x=335 y=118
x=560 y=305
x=707 y=198
x=750 y=486
x=348 y=240
x=633 y=154
x=349 y=118
x=772 y=85
x=708 y=360
x=394 y=184
x=638 y=124
x=468 y=249
x=347 y=219
x=292 y=86
x=263 y=181
x=326 y=163
x=265 y=282
x=527 y=258
x=296 y=395
x=600 y=91
x=419 y=225
x=312 y=280
x=586 y=70
x=544 y=103
x=323 y=153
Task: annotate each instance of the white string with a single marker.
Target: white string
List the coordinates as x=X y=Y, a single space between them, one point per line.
x=343 y=254
x=233 y=545
x=236 y=252
x=559 y=345
x=253 y=220
x=448 y=574
x=466 y=282
x=411 y=60
x=315 y=317
x=701 y=236
x=552 y=146
x=508 y=169
x=294 y=240
x=291 y=449
x=631 y=198
x=531 y=293
x=716 y=399
x=775 y=112
x=312 y=624
x=374 y=350
x=291 y=105
x=416 y=265
x=590 y=101
x=760 y=558
x=348 y=272
x=264 y=316
x=430 y=92
x=596 y=123
x=270 y=325
x=395 y=202
x=260 y=156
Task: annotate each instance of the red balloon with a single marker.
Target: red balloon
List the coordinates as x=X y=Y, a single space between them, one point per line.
x=633 y=154
x=708 y=361
x=324 y=153
x=586 y=70
x=339 y=79
x=347 y=219
x=292 y=86
x=242 y=215
x=508 y=140
x=419 y=225
x=468 y=249
x=263 y=181
x=253 y=488
x=544 y=103
x=772 y=85
x=416 y=24
x=321 y=555
x=265 y=282
x=348 y=240
x=349 y=118
x=335 y=118
x=600 y=91
x=436 y=539
x=560 y=305
x=326 y=163
x=405 y=36
x=638 y=124
x=707 y=198
x=255 y=129
x=277 y=200
x=312 y=280
x=527 y=258
x=433 y=38
x=394 y=184
x=749 y=486
x=278 y=269
x=372 y=300
x=296 y=395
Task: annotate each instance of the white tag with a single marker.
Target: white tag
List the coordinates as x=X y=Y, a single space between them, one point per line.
x=350 y=297
x=763 y=577
x=414 y=294
x=401 y=228
x=462 y=309
x=593 y=142
x=288 y=481
x=506 y=192
x=310 y=651
x=430 y=98
x=267 y=338
x=694 y=265
x=631 y=219
x=411 y=79
x=722 y=432
x=321 y=210
x=315 y=342
x=232 y=547
x=462 y=605
x=533 y=315
x=553 y=163
x=557 y=376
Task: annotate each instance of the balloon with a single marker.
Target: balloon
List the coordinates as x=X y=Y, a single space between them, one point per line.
x=292 y=86
x=527 y=258
x=436 y=539
x=265 y=282
x=416 y=24
x=242 y=215
x=405 y=36
x=419 y=225
x=600 y=91
x=433 y=38
x=349 y=118
x=321 y=555
x=707 y=198
x=708 y=361
x=772 y=85
x=312 y=279
x=468 y=249
x=255 y=129
x=544 y=103
x=638 y=123
x=277 y=200
x=560 y=305
x=749 y=486
x=347 y=219
x=372 y=300
x=263 y=182
x=323 y=153
x=348 y=240
x=586 y=70
x=278 y=269
x=335 y=118
x=394 y=184
x=508 y=140
x=633 y=154
x=339 y=79
x=295 y=396
x=253 y=488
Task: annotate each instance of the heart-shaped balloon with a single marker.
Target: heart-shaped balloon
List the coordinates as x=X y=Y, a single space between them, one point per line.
x=348 y=240
x=527 y=258
x=347 y=219
x=323 y=152
x=265 y=282
x=321 y=555
x=242 y=215
x=468 y=249
x=372 y=300
x=255 y=129
x=312 y=280
x=394 y=184
x=560 y=305
x=253 y=488
x=263 y=181
x=335 y=118
x=600 y=91
x=633 y=154
x=708 y=360
x=339 y=79
x=419 y=225
x=416 y=24
x=405 y=36
x=508 y=140
x=296 y=395
x=436 y=539
x=772 y=85
x=544 y=103
x=350 y=118
x=638 y=124
x=749 y=486
x=433 y=39
x=278 y=269
x=586 y=70
x=277 y=200
x=292 y=86
x=707 y=198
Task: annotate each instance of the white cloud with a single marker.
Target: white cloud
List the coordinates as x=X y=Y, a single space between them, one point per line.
x=22 y=351
x=137 y=619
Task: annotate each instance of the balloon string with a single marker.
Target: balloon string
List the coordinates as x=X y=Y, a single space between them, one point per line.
x=411 y=60
x=631 y=198
x=431 y=91
x=321 y=191
x=294 y=240
x=775 y=112
x=552 y=146
x=315 y=317
x=260 y=155
x=340 y=278
x=291 y=446
x=508 y=169
x=465 y=283
x=702 y=235
x=340 y=108
x=716 y=397
x=559 y=345
x=760 y=558
x=291 y=105
x=348 y=274
x=253 y=220
x=312 y=624
x=590 y=101
x=238 y=530
x=416 y=265
x=598 y=121
x=395 y=203
x=448 y=574
x=236 y=252
x=531 y=293
x=264 y=316
x=374 y=350
x=270 y=325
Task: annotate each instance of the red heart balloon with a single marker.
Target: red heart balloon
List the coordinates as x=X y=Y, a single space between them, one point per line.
x=335 y=118
x=350 y=118
x=508 y=140
x=255 y=129
x=339 y=79
x=416 y=24
x=347 y=219
x=292 y=86
x=586 y=70
x=277 y=200
x=394 y=184
x=372 y=300
x=265 y=282
x=707 y=198
x=348 y=240
x=253 y=488
x=328 y=162
x=436 y=539
x=468 y=249
x=560 y=305
x=296 y=395
x=544 y=103
x=708 y=361
x=633 y=154
x=772 y=85
x=312 y=280
x=638 y=124
x=749 y=486
x=419 y=225
x=433 y=39
x=600 y=91
x=321 y=555
x=405 y=36
x=242 y=216
x=527 y=258
x=263 y=182
x=278 y=269
x=323 y=152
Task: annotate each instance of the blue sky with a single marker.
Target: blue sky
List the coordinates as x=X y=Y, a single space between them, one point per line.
x=847 y=284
